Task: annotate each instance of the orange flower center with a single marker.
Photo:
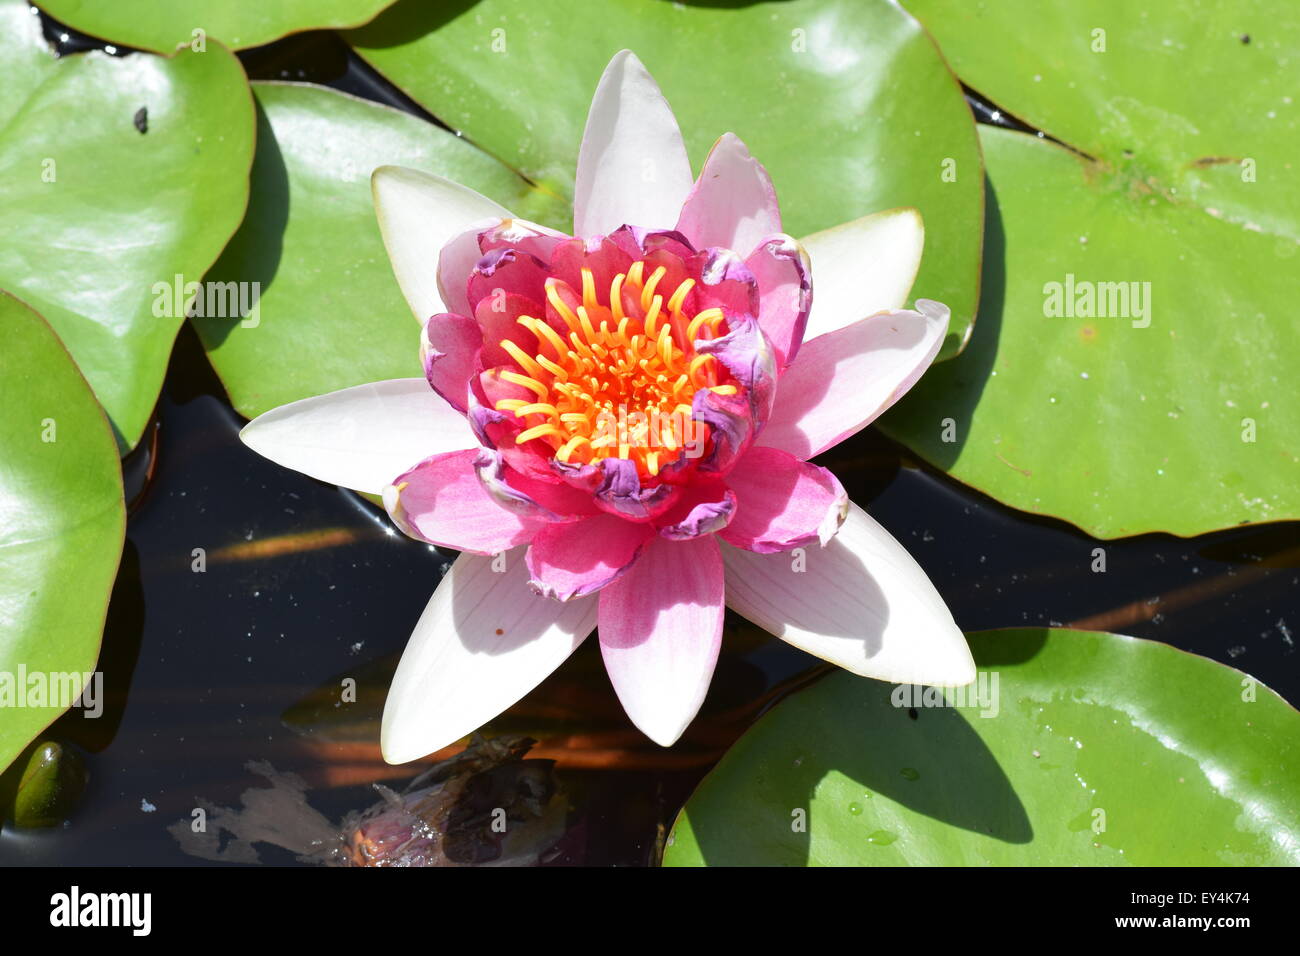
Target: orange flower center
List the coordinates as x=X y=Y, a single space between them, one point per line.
x=618 y=384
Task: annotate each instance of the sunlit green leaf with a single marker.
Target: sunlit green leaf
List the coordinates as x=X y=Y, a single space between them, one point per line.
x=61 y=530
x=117 y=175
x=1133 y=369
x=160 y=25
x=1072 y=749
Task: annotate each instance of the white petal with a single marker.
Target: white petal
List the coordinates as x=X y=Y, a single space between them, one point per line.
x=843 y=381
x=483 y=642
x=861 y=602
x=419 y=213
x=361 y=437
x=632 y=167
x=862 y=267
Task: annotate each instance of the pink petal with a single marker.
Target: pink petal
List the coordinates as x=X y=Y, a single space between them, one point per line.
x=748 y=356
x=725 y=282
x=462 y=253
x=781 y=267
x=705 y=507
x=844 y=379
x=456 y=261
x=503 y=272
x=733 y=203
x=521 y=234
x=442 y=501
x=600 y=254
x=573 y=560
x=449 y=347
x=621 y=494
x=660 y=631
x=783 y=503
x=547 y=498
x=497 y=319
x=731 y=425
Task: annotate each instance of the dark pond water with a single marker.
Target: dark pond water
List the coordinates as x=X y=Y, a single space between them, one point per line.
x=306 y=584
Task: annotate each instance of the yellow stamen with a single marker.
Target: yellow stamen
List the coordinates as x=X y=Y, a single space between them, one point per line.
x=615 y=385
x=683 y=290
x=537 y=408
x=538 y=431
x=545 y=334
x=532 y=385
x=711 y=316
x=647 y=293
x=525 y=362
x=588 y=289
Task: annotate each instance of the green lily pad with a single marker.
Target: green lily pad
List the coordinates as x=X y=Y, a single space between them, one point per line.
x=160 y=26
x=116 y=176
x=1097 y=749
x=62 y=533
x=847 y=103
x=1133 y=370
x=330 y=313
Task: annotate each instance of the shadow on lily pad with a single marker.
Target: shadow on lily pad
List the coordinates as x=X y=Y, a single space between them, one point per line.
x=929 y=760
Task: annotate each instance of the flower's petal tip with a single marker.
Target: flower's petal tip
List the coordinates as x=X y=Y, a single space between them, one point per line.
x=934 y=311
x=624 y=55
x=909 y=228
x=730 y=140
x=904 y=222
x=396 y=751
x=665 y=736
x=664 y=726
x=968 y=672
x=541 y=589
x=377 y=174
x=957 y=668
x=383 y=179
x=834 y=518
x=402 y=736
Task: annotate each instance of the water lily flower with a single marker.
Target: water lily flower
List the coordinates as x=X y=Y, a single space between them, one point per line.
x=615 y=430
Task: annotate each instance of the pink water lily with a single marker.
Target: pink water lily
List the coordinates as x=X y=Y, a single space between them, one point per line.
x=615 y=427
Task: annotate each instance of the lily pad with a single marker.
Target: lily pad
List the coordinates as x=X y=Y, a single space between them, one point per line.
x=160 y=26
x=61 y=537
x=330 y=313
x=117 y=174
x=1133 y=370
x=847 y=103
x=1097 y=749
